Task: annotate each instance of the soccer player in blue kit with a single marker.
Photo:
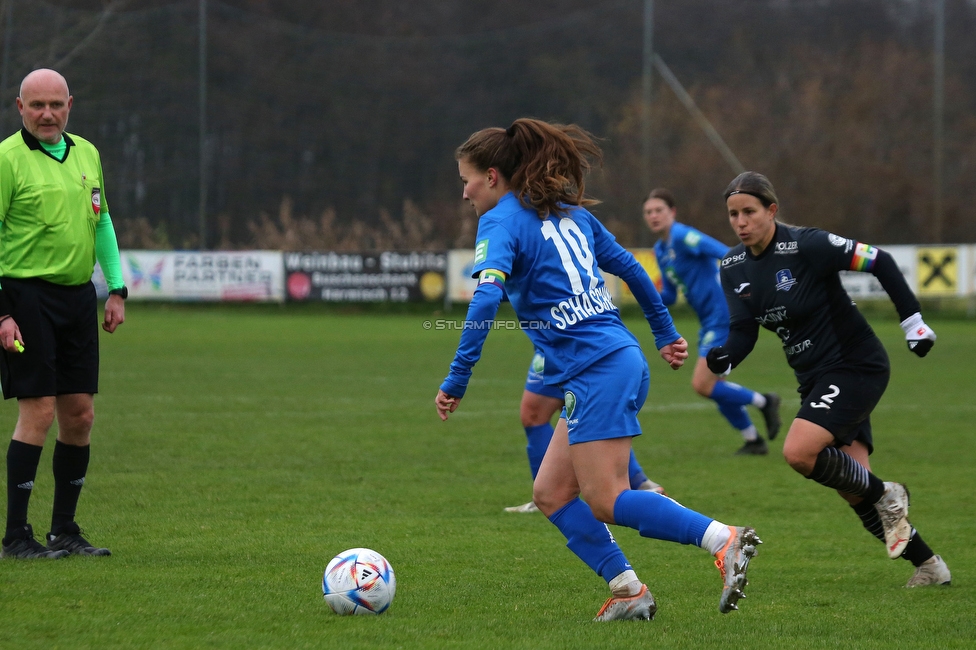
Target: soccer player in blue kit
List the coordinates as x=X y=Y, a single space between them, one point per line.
x=537 y=242
x=689 y=260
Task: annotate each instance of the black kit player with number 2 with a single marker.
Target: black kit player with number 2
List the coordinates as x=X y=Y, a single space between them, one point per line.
x=785 y=279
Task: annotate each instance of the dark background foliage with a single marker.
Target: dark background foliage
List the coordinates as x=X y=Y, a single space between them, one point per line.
x=332 y=124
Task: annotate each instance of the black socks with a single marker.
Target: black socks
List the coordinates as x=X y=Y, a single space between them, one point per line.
x=70 y=467
x=22 y=462
x=917 y=550
x=837 y=470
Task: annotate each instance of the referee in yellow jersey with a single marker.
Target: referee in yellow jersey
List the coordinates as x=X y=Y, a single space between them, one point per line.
x=54 y=223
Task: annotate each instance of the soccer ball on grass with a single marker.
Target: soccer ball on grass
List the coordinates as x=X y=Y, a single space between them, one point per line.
x=359 y=581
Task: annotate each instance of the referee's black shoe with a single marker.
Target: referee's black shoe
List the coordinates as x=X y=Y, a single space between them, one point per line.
x=71 y=541
x=25 y=547
x=755 y=447
x=771 y=415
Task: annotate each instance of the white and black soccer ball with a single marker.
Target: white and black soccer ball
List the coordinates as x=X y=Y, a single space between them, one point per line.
x=359 y=581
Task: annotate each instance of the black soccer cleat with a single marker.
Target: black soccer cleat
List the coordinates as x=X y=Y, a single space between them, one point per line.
x=771 y=415
x=755 y=447
x=71 y=541
x=25 y=547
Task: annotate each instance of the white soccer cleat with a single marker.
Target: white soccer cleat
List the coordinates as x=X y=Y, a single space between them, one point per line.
x=932 y=572
x=651 y=486
x=733 y=562
x=634 y=608
x=893 y=510
x=525 y=507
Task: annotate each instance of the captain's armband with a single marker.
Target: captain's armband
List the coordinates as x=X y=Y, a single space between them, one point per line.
x=492 y=276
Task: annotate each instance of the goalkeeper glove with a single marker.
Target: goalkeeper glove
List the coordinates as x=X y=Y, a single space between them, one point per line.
x=920 y=336
x=718 y=361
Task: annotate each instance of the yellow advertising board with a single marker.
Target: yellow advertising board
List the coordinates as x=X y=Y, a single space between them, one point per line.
x=938 y=271
x=647 y=259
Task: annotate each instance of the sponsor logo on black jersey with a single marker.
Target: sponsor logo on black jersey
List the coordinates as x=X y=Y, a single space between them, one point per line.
x=840 y=242
x=734 y=259
x=784 y=280
x=743 y=290
x=786 y=248
x=793 y=350
x=773 y=315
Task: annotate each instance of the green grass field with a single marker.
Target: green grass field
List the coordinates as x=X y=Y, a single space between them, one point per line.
x=236 y=450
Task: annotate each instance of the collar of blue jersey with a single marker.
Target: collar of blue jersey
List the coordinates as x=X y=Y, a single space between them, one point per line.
x=35 y=145
x=511 y=197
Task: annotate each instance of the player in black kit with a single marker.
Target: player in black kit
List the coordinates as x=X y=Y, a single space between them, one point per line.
x=785 y=279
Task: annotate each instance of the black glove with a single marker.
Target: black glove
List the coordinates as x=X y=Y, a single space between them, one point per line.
x=719 y=361
x=919 y=336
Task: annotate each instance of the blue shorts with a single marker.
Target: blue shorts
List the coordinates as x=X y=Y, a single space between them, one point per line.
x=602 y=402
x=533 y=382
x=711 y=337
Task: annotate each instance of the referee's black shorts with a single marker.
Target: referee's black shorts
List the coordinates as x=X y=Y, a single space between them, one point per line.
x=59 y=327
x=841 y=400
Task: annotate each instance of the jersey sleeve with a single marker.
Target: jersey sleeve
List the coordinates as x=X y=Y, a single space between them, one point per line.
x=481 y=313
x=698 y=243
x=493 y=258
x=6 y=187
x=669 y=292
x=102 y=194
x=828 y=253
x=107 y=252
x=833 y=253
x=743 y=328
x=495 y=247
x=617 y=260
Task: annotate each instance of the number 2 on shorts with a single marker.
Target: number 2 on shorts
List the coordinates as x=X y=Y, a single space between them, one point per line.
x=828 y=398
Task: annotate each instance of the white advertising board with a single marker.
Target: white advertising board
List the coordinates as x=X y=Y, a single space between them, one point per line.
x=460 y=284
x=220 y=276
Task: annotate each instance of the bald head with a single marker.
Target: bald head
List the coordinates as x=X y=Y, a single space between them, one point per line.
x=44 y=79
x=44 y=104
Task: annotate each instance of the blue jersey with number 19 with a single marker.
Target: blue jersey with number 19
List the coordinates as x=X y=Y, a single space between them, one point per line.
x=551 y=271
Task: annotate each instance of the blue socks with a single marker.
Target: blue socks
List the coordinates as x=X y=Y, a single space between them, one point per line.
x=650 y=513
x=590 y=539
x=731 y=393
x=538 y=441
x=732 y=400
x=659 y=517
x=736 y=415
x=637 y=475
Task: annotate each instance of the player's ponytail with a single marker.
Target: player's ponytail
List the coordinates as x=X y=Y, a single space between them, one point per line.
x=544 y=164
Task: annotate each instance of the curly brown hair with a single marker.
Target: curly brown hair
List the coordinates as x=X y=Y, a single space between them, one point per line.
x=544 y=164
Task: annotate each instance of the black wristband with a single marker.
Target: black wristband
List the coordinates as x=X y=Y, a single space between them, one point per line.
x=121 y=292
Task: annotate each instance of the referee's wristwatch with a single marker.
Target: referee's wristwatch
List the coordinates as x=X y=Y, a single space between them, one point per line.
x=122 y=292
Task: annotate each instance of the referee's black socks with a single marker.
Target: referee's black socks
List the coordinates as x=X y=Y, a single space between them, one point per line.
x=70 y=467
x=22 y=462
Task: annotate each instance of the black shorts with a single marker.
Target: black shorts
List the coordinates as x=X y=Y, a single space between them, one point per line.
x=841 y=402
x=59 y=327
